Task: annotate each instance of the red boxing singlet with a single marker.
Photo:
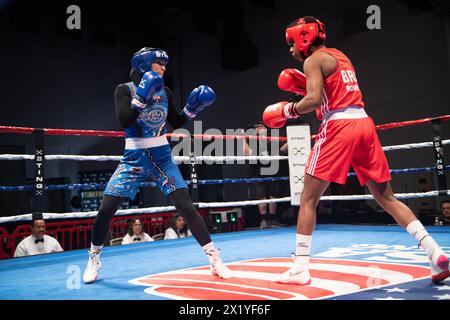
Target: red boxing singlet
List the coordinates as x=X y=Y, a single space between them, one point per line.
x=341 y=88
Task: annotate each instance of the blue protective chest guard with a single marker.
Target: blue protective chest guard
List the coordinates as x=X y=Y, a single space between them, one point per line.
x=152 y=120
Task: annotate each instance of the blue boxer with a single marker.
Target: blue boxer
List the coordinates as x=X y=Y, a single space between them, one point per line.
x=144 y=106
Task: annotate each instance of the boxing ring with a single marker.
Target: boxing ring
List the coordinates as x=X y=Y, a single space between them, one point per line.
x=349 y=262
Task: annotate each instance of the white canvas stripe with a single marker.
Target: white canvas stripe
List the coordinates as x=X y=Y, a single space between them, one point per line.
x=375 y=272
x=338 y=287
x=152 y=291
x=388 y=275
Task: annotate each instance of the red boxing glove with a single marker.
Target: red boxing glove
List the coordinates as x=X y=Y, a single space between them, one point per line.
x=292 y=80
x=276 y=115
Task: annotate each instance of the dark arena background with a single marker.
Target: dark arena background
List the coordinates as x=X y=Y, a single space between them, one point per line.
x=61 y=141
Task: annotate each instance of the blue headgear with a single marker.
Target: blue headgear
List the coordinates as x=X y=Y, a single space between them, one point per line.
x=142 y=60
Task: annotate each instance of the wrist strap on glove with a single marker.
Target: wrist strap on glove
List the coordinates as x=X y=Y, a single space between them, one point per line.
x=289 y=111
x=138 y=103
x=188 y=113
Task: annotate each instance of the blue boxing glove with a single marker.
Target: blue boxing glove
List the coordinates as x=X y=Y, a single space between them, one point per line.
x=199 y=99
x=150 y=83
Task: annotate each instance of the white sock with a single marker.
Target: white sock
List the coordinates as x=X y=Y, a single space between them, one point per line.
x=95 y=248
x=302 y=252
x=417 y=230
x=211 y=251
x=209 y=247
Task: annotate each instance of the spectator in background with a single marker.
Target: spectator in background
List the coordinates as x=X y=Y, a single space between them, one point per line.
x=178 y=228
x=262 y=190
x=135 y=233
x=38 y=242
x=445 y=209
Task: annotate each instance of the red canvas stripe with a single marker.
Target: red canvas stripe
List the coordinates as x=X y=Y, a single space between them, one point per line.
x=308 y=291
x=203 y=294
x=221 y=286
x=415 y=271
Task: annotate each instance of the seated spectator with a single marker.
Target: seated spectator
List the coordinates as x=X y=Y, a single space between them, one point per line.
x=178 y=228
x=135 y=234
x=445 y=209
x=38 y=242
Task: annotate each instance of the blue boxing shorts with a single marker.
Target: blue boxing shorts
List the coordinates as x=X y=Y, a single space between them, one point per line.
x=140 y=165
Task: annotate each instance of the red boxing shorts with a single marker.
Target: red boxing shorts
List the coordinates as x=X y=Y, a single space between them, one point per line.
x=344 y=142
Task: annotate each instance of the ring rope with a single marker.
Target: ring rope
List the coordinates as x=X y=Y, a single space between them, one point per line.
x=200 y=158
x=102 y=186
x=408 y=170
x=413 y=146
x=99 y=186
x=90 y=214
x=67 y=132
x=118 y=158
x=121 y=134
x=102 y=133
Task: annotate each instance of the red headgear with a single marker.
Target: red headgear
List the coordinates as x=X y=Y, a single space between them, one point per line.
x=303 y=34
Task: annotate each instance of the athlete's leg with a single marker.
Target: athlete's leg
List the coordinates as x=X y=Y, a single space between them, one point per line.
x=382 y=192
x=313 y=189
x=182 y=201
x=165 y=172
x=124 y=183
x=404 y=216
x=108 y=208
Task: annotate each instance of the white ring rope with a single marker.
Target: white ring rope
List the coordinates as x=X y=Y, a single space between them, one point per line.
x=118 y=158
x=413 y=145
x=199 y=158
x=90 y=214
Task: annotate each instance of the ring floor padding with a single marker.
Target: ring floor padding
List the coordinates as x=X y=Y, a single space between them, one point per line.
x=348 y=262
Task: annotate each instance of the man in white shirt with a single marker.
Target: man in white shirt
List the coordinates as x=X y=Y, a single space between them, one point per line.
x=38 y=242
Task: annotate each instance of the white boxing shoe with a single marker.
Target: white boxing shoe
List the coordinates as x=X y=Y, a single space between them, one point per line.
x=217 y=267
x=439 y=265
x=92 y=268
x=292 y=276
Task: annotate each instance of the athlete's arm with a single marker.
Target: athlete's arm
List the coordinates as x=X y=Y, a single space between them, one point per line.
x=124 y=112
x=314 y=86
x=175 y=119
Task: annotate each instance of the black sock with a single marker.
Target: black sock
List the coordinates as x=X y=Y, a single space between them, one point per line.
x=265 y=217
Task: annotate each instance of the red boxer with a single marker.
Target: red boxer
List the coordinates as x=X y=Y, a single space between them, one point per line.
x=347 y=137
